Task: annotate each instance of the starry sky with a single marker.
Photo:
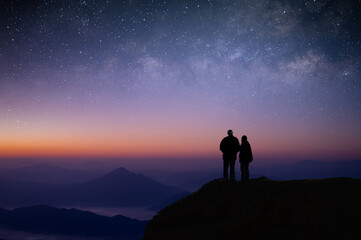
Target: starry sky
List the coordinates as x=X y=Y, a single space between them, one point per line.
x=167 y=79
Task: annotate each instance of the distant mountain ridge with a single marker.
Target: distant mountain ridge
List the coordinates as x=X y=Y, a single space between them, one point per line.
x=117 y=188
x=50 y=220
x=16 y=193
x=312 y=170
x=120 y=188
x=193 y=180
x=264 y=209
x=49 y=174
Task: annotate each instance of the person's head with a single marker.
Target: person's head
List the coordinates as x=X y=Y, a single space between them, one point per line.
x=244 y=138
x=230 y=132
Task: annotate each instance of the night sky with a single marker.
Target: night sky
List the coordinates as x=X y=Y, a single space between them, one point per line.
x=158 y=79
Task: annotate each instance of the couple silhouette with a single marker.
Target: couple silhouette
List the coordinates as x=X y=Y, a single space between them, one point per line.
x=230 y=147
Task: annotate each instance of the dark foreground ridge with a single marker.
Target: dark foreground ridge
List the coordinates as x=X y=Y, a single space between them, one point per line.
x=264 y=209
x=49 y=220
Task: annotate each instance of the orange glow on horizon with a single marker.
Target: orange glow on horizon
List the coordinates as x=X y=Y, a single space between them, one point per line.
x=165 y=145
x=170 y=136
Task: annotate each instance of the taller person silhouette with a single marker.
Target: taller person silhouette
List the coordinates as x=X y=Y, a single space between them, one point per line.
x=245 y=157
x=229 y=147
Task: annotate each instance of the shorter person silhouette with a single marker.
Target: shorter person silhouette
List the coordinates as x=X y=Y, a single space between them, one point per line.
x=245 y=157
x=229 y=147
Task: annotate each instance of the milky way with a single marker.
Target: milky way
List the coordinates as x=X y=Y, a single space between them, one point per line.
x=180 y=73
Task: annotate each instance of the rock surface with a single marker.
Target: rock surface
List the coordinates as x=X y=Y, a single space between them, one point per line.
x=264 y=209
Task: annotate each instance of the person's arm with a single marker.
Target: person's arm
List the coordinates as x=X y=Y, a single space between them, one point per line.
x=241 y=156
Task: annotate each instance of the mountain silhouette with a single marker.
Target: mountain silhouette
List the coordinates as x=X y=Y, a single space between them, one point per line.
x=16 y=193
x=118 y=188
x=313 y=169
x=49 y=220
x=264 y=209
x=49 y=174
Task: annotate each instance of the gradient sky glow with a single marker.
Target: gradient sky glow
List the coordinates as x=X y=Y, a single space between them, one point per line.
x=168 y=78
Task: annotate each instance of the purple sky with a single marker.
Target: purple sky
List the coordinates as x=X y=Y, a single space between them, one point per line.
x=167 y=79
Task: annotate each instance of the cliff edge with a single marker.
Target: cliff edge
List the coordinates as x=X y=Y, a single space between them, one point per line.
x=264 y=209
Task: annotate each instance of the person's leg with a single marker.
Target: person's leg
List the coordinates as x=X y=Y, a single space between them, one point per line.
x=247 y=170
x=232 y=164
x=225 y=169
x=242 y=171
